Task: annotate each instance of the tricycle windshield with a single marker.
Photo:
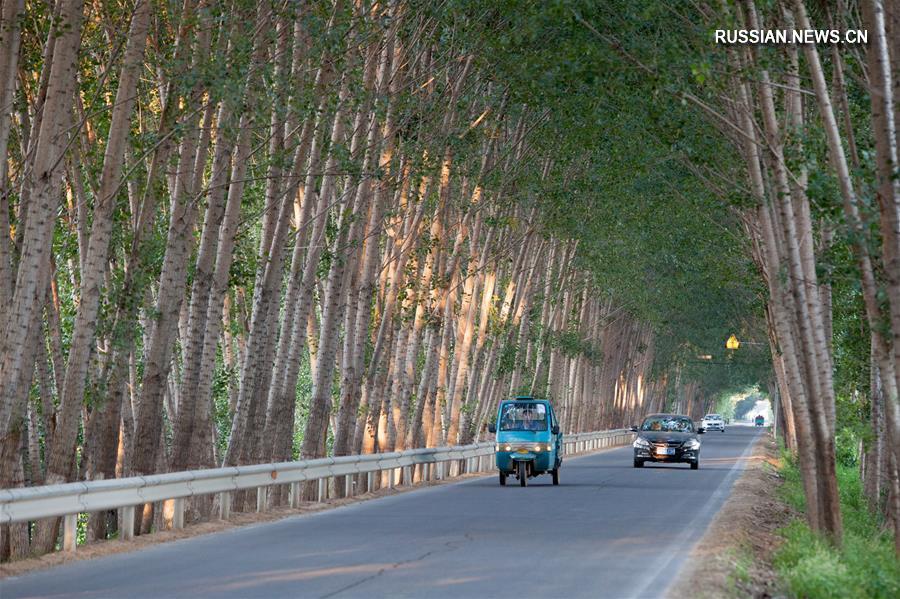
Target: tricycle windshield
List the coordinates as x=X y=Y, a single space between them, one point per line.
x=523 y=416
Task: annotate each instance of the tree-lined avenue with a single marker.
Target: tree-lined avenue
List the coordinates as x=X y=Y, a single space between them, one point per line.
x=608 y=530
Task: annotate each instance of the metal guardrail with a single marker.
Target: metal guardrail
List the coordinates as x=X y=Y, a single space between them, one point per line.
x=70 y=499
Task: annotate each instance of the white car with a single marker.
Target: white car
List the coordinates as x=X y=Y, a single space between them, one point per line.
x=713 y=422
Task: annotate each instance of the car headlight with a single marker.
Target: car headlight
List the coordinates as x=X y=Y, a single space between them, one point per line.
x=692 y=444
x=641 y=442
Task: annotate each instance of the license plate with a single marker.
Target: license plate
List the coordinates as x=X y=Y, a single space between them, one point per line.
x=665 y=451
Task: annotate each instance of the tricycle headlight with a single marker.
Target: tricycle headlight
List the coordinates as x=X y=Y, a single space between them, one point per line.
x=641 y=442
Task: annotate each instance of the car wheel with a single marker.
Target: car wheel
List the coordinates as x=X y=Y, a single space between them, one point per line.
x=638 y=463
x=502 y=479
x=523 y=474
x=695 y=465
x=555 y=473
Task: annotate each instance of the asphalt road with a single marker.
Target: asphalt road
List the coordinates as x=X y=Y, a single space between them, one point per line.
x=608 y=530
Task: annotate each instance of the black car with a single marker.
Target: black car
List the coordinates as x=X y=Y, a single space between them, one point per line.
x=669 y=438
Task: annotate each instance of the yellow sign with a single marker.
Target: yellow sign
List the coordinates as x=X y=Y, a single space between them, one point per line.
x=732 y=342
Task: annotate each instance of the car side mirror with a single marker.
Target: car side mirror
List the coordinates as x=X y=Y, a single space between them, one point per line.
x=492 y=428
x=555 y=429
x=633 y=429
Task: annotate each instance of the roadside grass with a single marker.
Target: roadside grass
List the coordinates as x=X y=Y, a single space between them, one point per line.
x=865 y=566
x=741 y=576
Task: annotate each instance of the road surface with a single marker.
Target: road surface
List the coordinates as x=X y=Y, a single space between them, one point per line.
x=608 y=530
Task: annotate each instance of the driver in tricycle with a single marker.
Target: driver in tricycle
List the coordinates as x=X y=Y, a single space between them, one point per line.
x=528 y=439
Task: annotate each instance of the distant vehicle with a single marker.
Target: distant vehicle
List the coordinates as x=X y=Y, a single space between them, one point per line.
x=713 y=422
x=760 y=420
x=668 y=438
x=529 y=442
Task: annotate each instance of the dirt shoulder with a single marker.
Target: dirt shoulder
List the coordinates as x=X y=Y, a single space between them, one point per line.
x=734 y=557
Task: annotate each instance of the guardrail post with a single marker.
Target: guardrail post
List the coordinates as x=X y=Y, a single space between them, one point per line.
x=323 y=490
x=407 y=476
x=295 y=494
x=348 y=485
x=70 y=532
x=262 y=498
x=178 y=513
x=173 y=513
x=225 y=505
x=370 y=482
x=126 y=524
x=440 y=471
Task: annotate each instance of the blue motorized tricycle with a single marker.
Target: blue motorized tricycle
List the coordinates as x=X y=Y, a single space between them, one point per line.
x=528 y=439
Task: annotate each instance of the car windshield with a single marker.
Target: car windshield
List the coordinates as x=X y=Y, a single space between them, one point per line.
x=713 y=417
x=670 y=424
x=523 y=416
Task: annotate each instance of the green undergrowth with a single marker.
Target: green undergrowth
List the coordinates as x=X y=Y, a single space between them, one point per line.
x=864 y=566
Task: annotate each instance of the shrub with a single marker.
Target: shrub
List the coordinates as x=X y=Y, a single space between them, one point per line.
x=865 y=566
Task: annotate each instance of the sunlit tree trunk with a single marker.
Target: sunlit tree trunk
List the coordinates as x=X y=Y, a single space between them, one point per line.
x=10 y=43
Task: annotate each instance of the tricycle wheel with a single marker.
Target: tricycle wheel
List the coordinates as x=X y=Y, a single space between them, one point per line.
x=555 y=473
x=638 y=463
x=523 y=474
x=695 y=465
x=502 y=479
